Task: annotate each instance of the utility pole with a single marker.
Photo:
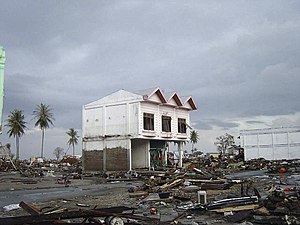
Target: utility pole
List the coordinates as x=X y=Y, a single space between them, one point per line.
x=2 y=64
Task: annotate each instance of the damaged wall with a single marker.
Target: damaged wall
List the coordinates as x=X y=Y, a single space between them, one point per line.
x=116 y=159
x=109 y=159
x=92 y=160
x=114 y=155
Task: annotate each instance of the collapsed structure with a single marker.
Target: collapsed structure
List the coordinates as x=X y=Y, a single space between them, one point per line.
x=127 y=130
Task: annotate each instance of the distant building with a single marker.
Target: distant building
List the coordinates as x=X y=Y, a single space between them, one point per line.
x=127 y=130
x=271 y=143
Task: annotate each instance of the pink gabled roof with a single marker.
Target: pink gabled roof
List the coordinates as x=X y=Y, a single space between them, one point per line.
x=165 y=98
x=176 y=98
x=191 y=102
x=147 y=94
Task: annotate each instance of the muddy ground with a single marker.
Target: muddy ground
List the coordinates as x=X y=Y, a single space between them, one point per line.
x=90 y=192
x=46 y=191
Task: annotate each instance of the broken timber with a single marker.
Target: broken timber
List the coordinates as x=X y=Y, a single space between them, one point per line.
x=47 y=218
x=172 y=184
x=30 y=209
x=224 y=203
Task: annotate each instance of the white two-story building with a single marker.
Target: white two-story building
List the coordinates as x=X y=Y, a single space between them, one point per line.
x=129 y=130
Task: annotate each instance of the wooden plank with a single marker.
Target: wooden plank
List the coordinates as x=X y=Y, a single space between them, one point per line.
x=138 y=194
x=236 y=208
x=172 y=184
x=45 y=219
x=206 y=181
x=30 y=208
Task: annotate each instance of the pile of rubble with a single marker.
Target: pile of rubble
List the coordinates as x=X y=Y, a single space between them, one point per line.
x=41 y=167
x=6 y=165
x=33 y=171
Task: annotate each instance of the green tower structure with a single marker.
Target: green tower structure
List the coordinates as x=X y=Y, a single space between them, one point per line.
x=2 y=64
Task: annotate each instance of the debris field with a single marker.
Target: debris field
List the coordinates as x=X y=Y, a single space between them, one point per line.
x=203 y=191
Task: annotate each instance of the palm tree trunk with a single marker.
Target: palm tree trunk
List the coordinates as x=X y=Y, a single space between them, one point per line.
x=73 y=149
x=17 y=148
x=42 y=149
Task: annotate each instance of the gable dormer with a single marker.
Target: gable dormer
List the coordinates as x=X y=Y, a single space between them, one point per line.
x=190 y=104
x=155 y=96
x=174 y=100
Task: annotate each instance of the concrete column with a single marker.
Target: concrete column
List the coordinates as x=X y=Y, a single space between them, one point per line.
x=166 y=155
x=104 y=159
x=130 y=155
x=104 y=120
x=257 y=139
x=148 y=154
x=273 y=149
x=180 y=152
x=288 y=144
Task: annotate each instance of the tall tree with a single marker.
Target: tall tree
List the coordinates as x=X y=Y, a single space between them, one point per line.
x=194 y=137
x=44 y=118
x=16 y=127
x=73 y=138
x=58 y=151
x=224 y=142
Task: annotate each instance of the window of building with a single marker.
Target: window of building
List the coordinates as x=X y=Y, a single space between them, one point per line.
x=166 y=123
x=181 y=125
x=148 y=121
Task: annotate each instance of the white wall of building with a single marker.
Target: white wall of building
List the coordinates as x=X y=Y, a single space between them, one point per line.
x=117 y=116
x=116 y=119
x=272 y=143
x=171 y=112
x=93 y=145
x=159 y=111
x=147 y=107
x=140 y=153
x=93 y=121
x=133 y=118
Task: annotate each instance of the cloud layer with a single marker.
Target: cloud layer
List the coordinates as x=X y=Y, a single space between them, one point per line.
x=239 y=59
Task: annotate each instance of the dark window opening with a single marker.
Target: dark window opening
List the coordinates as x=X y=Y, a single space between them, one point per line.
x=148 y=121
x=181 y=126
x=166 y=123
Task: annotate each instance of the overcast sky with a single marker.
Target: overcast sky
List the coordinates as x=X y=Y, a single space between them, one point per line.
x=240 y=60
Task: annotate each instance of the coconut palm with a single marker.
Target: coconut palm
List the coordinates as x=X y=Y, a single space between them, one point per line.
x=194 y=137
x=44 y=118
x=16 y=127
x=73 y=138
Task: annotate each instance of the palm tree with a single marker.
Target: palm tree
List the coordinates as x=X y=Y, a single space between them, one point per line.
x=73 y=140
x=16 y=127
x=194 y=137
x=44 y=117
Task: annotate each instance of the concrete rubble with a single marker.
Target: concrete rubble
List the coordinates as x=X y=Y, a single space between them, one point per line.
x=203 y=191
